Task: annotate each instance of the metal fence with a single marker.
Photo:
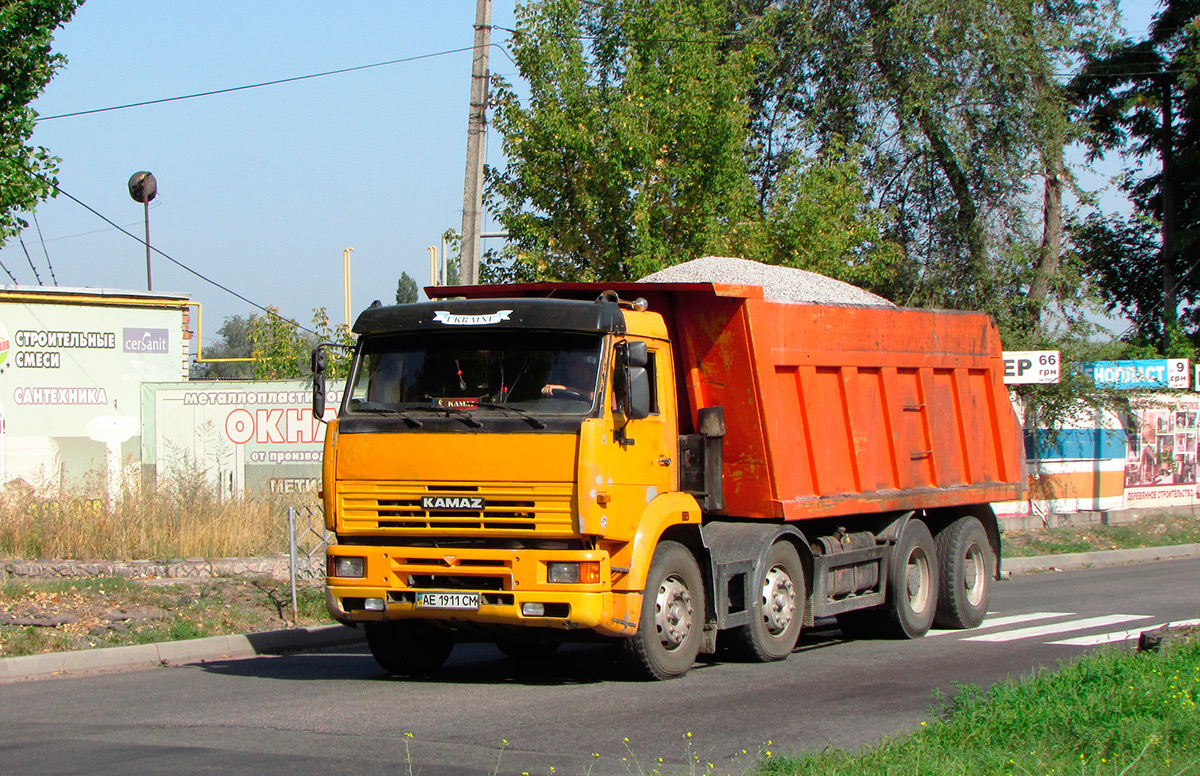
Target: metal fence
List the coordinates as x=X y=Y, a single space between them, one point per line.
x=307 y=542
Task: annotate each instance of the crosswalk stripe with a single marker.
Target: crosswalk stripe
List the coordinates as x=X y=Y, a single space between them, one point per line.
x=1125 y=635
x=1058 y=627
x=1000 y=622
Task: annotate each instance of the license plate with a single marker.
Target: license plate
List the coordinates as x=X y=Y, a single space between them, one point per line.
x=437 y=599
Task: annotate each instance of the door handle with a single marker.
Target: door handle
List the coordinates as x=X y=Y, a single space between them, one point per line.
x=664 y=461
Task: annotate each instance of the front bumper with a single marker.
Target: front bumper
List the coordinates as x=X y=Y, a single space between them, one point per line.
x=506 y=580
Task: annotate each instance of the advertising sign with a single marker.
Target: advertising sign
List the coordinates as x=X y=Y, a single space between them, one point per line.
x=245 y=435
x=72 y=358
x=1160 y=463
x=1146 y=374
x=1026 y=367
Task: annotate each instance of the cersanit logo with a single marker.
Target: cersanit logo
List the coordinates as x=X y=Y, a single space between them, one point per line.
x=453 y=502
x=146 y=340
x=450 y=319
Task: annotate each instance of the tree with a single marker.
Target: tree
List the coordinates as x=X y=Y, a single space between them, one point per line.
x=893 y=144
x=281 y=349
x=1140 y=100
x=958 y=111
x=453 y=243
x=27 y=172
x=406 y=289
x=629 y=154
x=233 y=342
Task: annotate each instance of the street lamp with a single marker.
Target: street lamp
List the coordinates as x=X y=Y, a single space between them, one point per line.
x=143 y=188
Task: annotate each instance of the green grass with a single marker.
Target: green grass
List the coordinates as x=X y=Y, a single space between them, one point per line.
x=1150 y=531
x=1114 y=712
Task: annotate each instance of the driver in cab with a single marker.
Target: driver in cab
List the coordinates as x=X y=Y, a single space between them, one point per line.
x=578 y=376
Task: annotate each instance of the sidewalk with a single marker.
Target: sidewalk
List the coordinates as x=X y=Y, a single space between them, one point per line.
x=303 y=639
x=174 y=653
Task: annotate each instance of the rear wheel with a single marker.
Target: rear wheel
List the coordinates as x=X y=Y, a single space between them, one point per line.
x=671 y=626
x=777 y=614
x=968 y=567
x=913 y=583
x=408 y=647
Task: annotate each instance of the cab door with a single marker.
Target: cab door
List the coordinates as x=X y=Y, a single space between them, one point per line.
x=643 y=451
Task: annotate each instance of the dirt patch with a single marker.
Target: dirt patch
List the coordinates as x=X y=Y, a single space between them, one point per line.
x=59 y=615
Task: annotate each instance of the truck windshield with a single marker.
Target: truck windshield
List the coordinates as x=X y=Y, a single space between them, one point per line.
x=530 y=371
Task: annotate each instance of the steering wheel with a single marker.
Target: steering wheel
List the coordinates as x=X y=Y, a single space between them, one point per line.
x=567 y=393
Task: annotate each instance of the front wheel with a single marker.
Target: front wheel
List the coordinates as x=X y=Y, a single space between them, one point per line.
x=968 y=567
x=408 y=647
x=671 y=627
x=778 y=612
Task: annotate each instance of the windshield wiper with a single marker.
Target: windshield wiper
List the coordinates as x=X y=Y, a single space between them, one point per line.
x=384 y=409
x=530 y=419
x=451 y=412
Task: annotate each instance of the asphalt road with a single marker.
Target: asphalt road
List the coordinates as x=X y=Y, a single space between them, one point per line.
x=335 y=712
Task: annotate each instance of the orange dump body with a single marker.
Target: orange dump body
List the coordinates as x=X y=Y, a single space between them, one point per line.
x=833 y=410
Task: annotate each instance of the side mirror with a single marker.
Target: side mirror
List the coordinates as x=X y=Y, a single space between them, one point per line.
x=319 y=397
x=320 y=360
x=636 y=354
x=637 y=399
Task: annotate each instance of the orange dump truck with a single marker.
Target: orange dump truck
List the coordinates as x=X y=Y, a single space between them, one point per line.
x=667 y=465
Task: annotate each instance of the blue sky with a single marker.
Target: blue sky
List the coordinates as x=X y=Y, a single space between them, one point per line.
x=262 y=190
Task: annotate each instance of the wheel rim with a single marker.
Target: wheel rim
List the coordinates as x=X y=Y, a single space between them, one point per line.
x=975 y=574
x=919 y=582
x=778 y=600
x=673 y=612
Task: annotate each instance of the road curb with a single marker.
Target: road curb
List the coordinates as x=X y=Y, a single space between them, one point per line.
x=186 y=652
x=1100 y=559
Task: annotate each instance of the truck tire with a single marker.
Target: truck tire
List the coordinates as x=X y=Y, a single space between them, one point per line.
x=913 y=584
x=671 y=626
x=408 y=647
x=968 y=567
x=777 y=614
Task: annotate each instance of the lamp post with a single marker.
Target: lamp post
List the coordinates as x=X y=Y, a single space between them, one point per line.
x=143 y=188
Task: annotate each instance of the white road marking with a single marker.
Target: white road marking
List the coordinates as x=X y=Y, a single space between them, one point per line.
x=1000 y=622
x=1125 y=635
x=1059 y=627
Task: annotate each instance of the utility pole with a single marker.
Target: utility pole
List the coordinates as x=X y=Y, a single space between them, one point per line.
x=1167 y=189
x=476 y=127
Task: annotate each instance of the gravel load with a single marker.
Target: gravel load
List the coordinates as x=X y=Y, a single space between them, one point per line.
x=784 y=284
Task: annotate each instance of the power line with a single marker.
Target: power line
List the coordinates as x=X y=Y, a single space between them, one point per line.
x=276 y=82
x=178 y=263
x=29 y=259
x=11 y=275
x=43 y=241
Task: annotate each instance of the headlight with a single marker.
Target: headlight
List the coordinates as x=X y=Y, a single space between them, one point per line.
x=587 y=573
x=348 y=566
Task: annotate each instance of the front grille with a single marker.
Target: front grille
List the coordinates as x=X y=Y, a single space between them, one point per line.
x=510 y=509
